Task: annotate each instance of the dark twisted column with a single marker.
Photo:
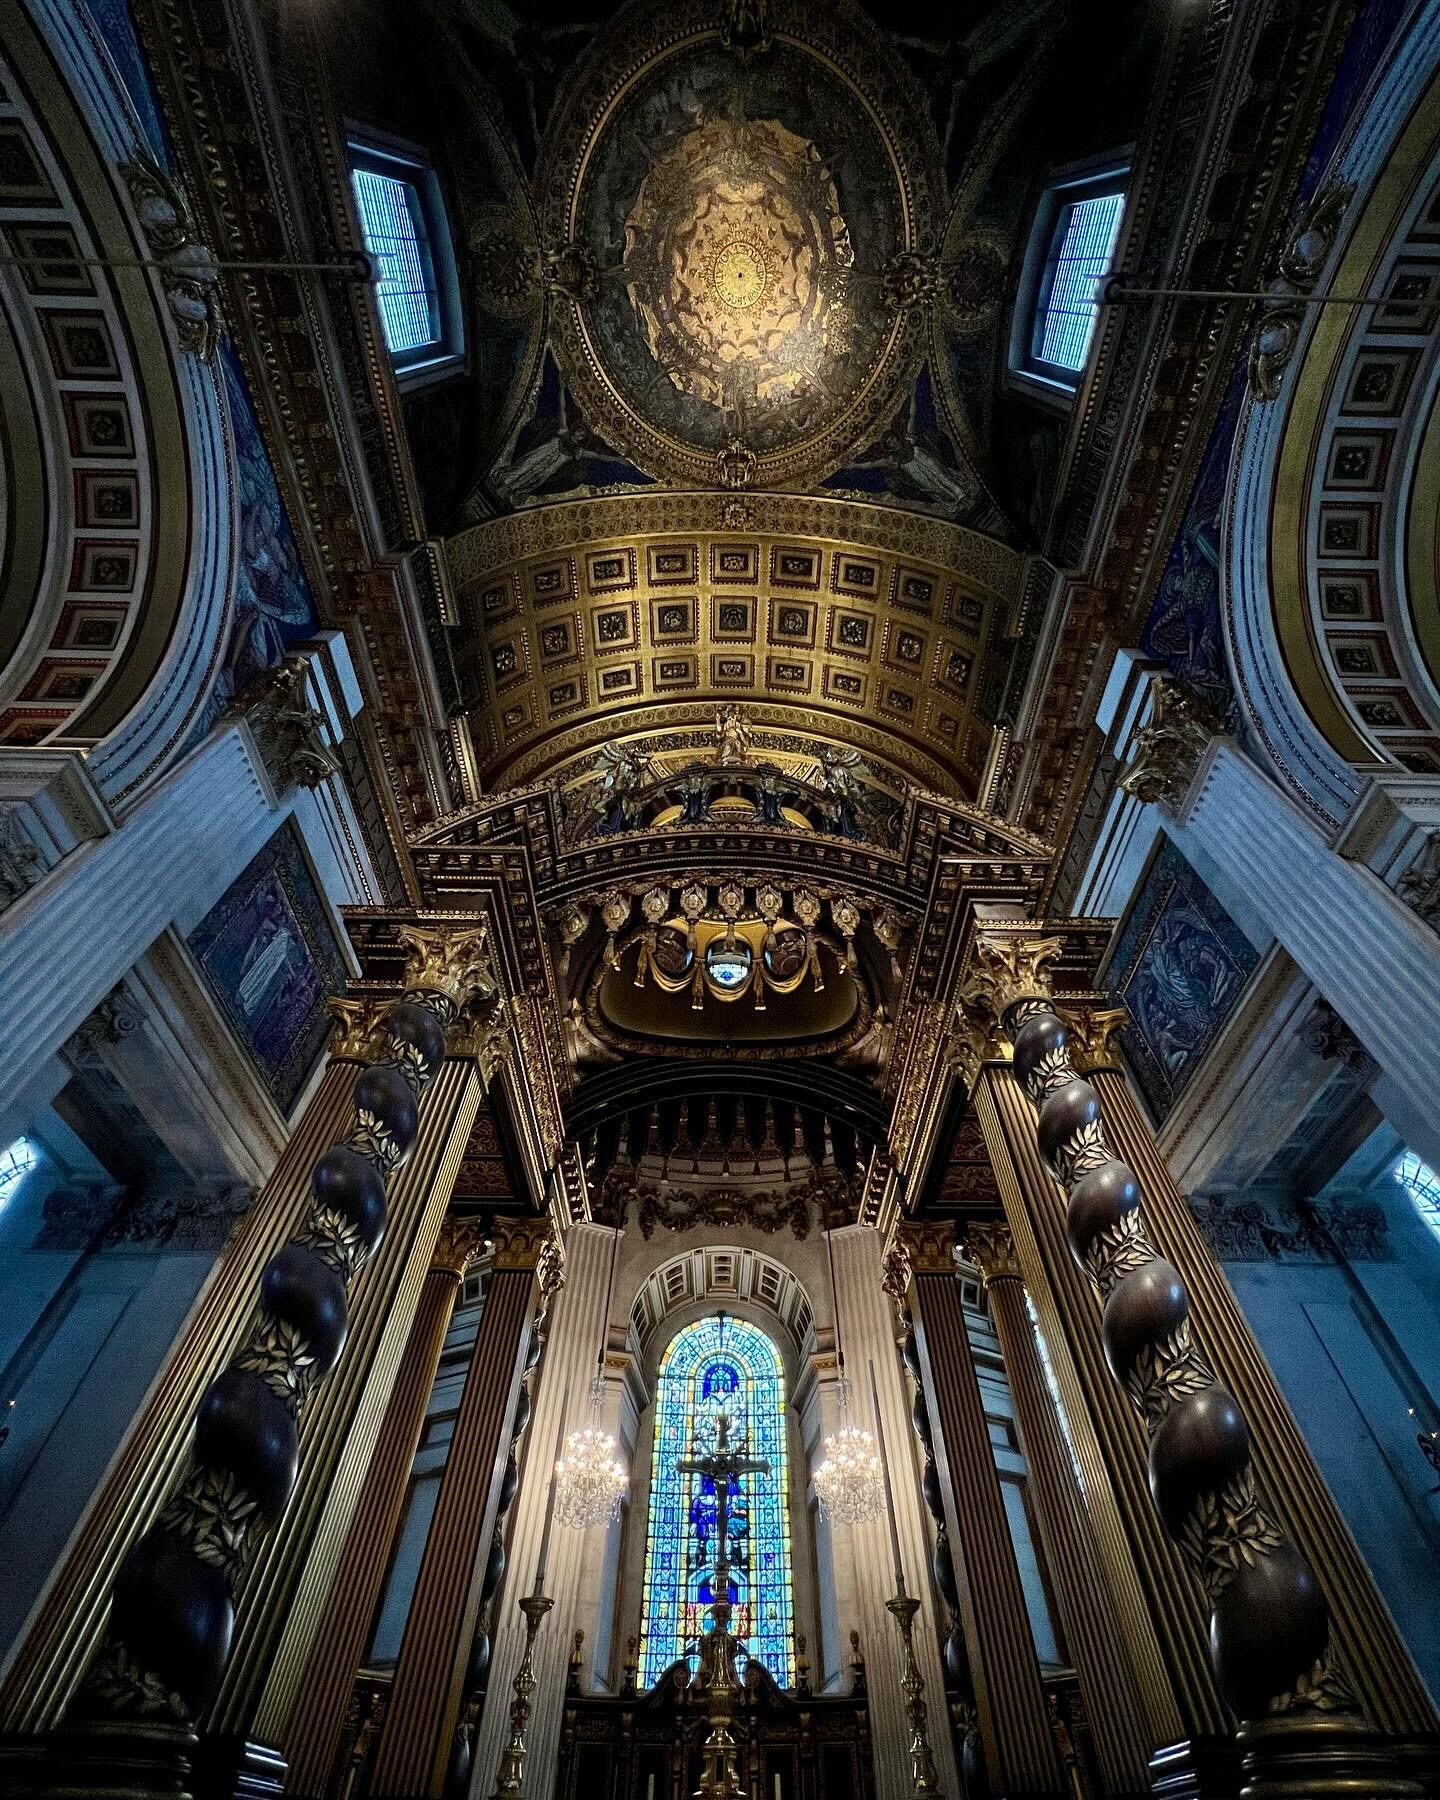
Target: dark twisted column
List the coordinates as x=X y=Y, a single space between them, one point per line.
x=313 y=1738
x=1087 y=1614
x=1372 y=1648
x=172 y=1614
x=1019 y=1744
x=417 y=1736
x=1269 y=1625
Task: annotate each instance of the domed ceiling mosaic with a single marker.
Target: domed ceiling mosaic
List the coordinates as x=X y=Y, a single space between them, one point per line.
x=740 y=207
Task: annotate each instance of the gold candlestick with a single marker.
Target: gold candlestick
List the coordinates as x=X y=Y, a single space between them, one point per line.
x=510 y=1776
x=926 y=1783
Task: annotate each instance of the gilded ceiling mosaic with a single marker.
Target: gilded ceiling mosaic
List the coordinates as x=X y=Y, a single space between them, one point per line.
x=736 y=226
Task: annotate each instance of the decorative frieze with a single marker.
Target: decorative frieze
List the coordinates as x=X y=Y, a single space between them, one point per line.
x=1253 y=1228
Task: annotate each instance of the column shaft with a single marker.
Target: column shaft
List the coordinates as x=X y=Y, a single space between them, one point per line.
x=1087 y=1613
x=313 y=1737
x=1382 y=976
x=1019 y=1743
x=869 y=1330
x=425 y=1694
x=288 y=1585
x=68 y=1625
x=1159 y=1608
x=566 y=1370
x=1374 y=1653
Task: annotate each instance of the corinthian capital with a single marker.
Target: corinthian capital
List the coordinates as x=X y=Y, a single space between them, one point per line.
x=449 y=960
x=1004 y=971
x=992 y=1250
x=459 y=1246
x=1168 y=750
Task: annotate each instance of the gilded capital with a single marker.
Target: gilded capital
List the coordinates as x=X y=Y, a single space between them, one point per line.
x=1094 y=1035
x=482 y=1030
x=992 y=1250
x=1003 y=972
x=895 y=1270
x=357 y=1028
x=1167 y=751
x=459 y=1246
x=928 y=1245
x=524 y=1243
x=449 y=960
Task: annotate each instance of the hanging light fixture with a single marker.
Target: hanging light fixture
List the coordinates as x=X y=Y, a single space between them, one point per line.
x=590 y=1480
x=850 y=1483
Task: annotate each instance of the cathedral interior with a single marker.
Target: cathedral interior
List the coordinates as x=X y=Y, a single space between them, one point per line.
x=719 y=899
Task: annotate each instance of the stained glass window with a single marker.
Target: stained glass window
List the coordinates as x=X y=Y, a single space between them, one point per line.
x=1423 y=1186
x=713 y=1366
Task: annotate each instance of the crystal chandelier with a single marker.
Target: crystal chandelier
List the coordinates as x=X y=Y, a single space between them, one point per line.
x=850 y=1483
x=590 y=1480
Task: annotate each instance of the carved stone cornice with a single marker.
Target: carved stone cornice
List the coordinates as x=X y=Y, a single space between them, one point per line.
x=1168 y=750
x=459 y=1246
x=992 y=1250
x=524 y=1243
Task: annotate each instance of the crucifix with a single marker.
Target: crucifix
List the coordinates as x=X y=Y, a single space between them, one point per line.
x=715 y=1678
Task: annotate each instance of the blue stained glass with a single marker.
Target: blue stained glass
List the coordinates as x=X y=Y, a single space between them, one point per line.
x=1087 y=233
x=708 y=1369
x=392 y=220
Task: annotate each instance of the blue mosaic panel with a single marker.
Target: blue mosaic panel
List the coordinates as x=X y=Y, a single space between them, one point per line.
x=716 y=1366
x=271 y=956
x=1179 y=965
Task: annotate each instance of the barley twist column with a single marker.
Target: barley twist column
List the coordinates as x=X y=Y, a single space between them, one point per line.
x=311 y=1743
x=1019 y=1744
x=1087 y=1614
x=1374 y=1653
x=1269 y=1625
x=173 y=1603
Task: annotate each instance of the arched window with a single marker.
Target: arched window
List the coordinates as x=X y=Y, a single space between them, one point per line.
x=15 y=1164
x=713 y=1366
x=1422 y=1184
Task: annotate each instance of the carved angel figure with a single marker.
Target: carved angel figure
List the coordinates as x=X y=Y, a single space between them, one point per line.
x=734 y=739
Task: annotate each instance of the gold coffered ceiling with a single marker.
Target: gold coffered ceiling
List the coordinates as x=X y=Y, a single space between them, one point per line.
x=609 y=617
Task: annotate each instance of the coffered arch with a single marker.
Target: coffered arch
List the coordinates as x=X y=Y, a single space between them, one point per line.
x=835 y=619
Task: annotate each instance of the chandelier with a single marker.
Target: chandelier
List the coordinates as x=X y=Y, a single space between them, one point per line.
x=850 y=1483
x=590 y=1480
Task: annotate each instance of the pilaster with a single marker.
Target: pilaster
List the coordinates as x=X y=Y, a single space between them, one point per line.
x=312 y=1737
x=560 y=1407
x=1087 y=1614
x=871 y=1353
x=1015 y=1729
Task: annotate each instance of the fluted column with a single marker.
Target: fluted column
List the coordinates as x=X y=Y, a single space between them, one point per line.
x=1301 y=1732
x=561 y=1403
x=1015 y=1728
x=1157 y=1606
x=869 y=1329
x=171 y=1627
x=66 y=1630
x=1087 y=1614
x=312 y=1740
x=426 y=1690
x=1371 y=1648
